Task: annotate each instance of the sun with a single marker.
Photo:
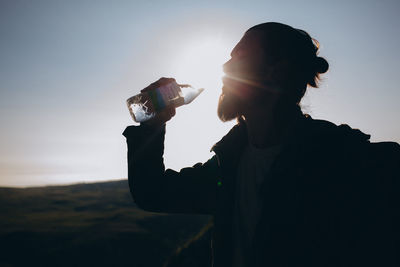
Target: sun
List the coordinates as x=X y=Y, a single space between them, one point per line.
x=199 y=63
x=196 y=127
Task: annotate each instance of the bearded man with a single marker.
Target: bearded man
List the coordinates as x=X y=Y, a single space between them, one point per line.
x=283 y=188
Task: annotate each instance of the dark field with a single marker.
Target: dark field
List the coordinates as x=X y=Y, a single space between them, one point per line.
x=93 y=225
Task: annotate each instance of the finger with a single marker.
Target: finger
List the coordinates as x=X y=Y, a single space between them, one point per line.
x=157 y=121
x=184 y=85
x=160 y=82
x=161 y=118
x=164 y=80
x=171 y=112
x=167 y=113
x=164 y=117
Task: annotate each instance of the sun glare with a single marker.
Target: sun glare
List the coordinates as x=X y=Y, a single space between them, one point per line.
x=199 y=63
x=196 y=127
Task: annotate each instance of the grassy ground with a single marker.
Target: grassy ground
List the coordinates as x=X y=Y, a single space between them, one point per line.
x=87 y=225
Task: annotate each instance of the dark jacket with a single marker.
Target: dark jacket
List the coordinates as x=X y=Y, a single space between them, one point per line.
x=332 y=198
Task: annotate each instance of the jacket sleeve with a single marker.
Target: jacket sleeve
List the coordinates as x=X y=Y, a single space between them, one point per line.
x=191 y=190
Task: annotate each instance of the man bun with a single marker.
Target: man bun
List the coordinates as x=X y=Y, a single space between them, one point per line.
x=317 y=66
x=321 y=65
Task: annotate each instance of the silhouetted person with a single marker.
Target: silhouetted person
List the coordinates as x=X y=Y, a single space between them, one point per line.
x=284 y=189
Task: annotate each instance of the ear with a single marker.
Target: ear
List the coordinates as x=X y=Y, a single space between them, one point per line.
x=282 y=70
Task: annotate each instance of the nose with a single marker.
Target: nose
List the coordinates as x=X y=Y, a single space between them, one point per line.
x=227 y=66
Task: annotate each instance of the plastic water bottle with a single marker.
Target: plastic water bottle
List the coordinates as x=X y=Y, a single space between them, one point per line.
x=146 y=105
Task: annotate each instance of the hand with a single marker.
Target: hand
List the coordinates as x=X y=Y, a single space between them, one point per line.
x=167 y=113
x=161 y=118
x=162 y=81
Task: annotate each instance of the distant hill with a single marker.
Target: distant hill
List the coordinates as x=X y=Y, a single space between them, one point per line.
x=94 y=224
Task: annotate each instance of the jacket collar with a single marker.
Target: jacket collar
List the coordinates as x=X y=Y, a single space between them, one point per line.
x=237 y=136
x=303 y=129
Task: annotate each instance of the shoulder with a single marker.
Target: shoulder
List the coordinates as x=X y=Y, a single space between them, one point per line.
x=346 y=144
x=327 y=144
x=387 y=146
x=385 y=153
x=322 y=132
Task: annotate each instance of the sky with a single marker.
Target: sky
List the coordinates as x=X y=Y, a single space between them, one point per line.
x=67 y=67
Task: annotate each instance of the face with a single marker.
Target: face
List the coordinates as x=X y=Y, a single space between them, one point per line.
x=249 y=78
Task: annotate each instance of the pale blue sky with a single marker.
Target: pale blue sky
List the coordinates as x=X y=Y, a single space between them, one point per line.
x=66 y=68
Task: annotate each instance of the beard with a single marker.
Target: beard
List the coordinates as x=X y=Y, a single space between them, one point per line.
x=230 y=107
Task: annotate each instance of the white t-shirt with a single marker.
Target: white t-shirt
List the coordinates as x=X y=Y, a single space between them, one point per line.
x=253 y=168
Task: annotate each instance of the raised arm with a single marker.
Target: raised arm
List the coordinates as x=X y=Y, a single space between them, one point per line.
x=191 y=190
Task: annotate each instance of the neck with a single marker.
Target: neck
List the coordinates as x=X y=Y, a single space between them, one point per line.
x=266 y=129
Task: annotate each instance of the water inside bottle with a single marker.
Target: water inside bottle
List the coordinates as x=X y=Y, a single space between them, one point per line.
x=140 y=110
x=146 y=105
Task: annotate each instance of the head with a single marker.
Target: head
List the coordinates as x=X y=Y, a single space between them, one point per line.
x=269 y=71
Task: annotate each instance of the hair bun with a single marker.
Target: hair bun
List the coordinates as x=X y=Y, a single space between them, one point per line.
x=321 y=65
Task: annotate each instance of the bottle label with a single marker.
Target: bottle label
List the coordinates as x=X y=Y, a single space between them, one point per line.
x=164 y=95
